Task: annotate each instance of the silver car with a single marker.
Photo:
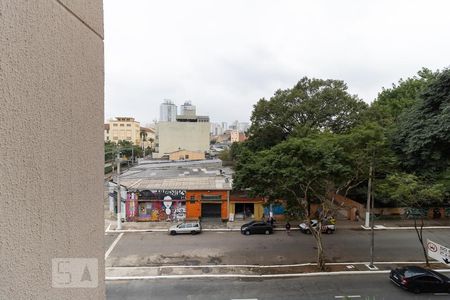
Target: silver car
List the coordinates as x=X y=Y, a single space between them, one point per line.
x=186 y=227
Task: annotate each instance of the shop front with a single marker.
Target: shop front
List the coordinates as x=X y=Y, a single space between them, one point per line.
x=156 y=205
x=243 y=207
x=207 y=204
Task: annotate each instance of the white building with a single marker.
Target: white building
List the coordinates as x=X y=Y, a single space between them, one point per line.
x=187 y=109
x=167 y=111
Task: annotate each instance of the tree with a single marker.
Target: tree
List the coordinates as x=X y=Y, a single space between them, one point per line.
x=300 y=171
x=311 y=106
x=392 y=102
x=414 y=192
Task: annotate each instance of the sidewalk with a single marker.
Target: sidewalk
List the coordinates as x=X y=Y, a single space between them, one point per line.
x=279 y=226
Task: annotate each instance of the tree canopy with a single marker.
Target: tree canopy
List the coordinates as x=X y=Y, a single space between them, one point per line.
x=312 y=105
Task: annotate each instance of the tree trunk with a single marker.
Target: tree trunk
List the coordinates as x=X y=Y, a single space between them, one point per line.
x=419 y=232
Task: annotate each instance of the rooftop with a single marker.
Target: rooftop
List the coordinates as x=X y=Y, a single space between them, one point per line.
x=182 y=175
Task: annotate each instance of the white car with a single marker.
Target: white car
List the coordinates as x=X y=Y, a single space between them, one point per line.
x=326 y=227
x=186 y=227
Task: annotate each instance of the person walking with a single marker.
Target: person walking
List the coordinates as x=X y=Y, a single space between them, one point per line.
x=288 y=227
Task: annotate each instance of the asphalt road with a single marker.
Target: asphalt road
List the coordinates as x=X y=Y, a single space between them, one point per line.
x=369 y=287
x=147 y=249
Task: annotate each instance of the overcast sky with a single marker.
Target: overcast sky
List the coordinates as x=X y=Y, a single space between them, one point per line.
x=226 y=55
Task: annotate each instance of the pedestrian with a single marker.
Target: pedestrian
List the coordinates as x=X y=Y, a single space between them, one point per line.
x=271 y=221
x=357 y=215
x=288 y=227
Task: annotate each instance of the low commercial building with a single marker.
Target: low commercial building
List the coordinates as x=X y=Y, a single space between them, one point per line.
x=186 y=155
x=174 y=191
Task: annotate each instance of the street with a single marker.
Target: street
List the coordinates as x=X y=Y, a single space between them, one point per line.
x=370 y=287
x=158 y=248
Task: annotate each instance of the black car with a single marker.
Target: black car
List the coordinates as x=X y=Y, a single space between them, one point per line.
x=417 y=280
x=256 y=227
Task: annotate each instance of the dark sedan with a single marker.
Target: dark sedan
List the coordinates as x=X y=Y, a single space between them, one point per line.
x=418 y=280
x=256 y=227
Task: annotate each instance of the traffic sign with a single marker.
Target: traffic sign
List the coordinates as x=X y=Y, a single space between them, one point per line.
x=438 y=252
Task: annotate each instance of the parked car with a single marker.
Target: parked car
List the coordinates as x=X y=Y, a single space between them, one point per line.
x=326 y=227
x=256 y=227
x=186 y=227
x=417 y=280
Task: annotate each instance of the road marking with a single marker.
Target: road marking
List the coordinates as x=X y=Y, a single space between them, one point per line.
x=345 y=297
x=109 y=226
x=263 y=266
x=113 y=245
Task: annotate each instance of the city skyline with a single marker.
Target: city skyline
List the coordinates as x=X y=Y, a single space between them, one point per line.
x=194 y=52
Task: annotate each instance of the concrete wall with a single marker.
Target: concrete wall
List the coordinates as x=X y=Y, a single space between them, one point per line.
x=191 y=136
x=51 y=149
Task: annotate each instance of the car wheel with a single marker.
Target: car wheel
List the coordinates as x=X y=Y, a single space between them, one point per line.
x=308 y=231
x=416 y=290
x=193 y=232
x=267 y=232
x=173 y=232
x=329 y=231
x=247 y=232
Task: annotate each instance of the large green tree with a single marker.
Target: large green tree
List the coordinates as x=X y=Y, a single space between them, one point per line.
x=422 y=138
x=311 y=106
x=299 y=170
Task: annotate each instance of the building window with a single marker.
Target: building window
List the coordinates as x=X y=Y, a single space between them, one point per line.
x=115 y=138
x=107 y=138
x=115 y=125
x=128 y=125
x=191 y=201
x=192 y=198
x=186 y=156
x=129 y=138
x=122 y=125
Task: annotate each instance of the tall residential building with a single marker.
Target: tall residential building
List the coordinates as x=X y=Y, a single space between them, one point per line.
x=168 y=111
x=187 y=109
x=123 y=129
x=224 y=126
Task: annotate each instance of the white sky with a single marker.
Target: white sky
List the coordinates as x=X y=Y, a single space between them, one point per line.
x=226 y=55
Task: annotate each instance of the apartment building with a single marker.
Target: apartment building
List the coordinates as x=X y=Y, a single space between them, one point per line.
x=123 y=129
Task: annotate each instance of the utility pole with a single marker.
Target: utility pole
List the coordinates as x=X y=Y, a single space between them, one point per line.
x=372 y=242
x=369 y=189
x=119 y=204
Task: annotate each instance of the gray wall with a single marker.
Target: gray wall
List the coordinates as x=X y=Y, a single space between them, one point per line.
x=51 y=143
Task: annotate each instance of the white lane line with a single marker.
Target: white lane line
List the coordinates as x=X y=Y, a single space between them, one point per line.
x=345 y=297
x=109 y=226
x=113 y=245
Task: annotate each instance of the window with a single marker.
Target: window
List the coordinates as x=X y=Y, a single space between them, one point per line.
x=192 y=197
x=115 y=138
x=128 y=125
x=115 y=125
x=107 y=138
x=186 y=156
x=129 y=138
x=122 y=125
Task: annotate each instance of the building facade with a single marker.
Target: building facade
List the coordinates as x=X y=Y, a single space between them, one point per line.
x=123 y=129
x=167 y=111
x=191 y=134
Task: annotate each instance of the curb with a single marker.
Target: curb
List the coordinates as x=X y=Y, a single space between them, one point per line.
x=381 y=227
x=107 y=278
